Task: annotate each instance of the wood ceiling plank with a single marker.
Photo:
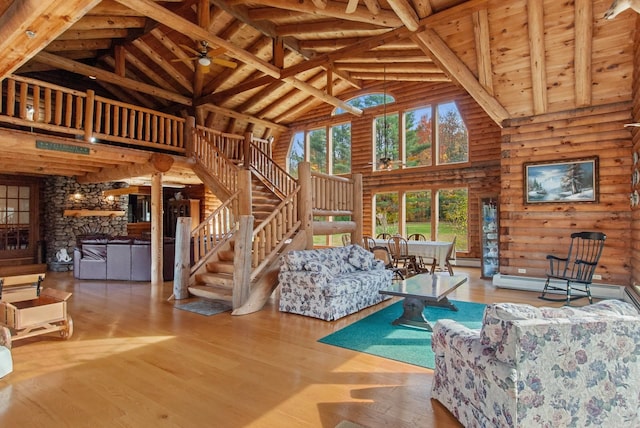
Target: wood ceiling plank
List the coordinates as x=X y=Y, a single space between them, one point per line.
x=245 y=117
x=47 y=20
x=165 y=65
x=429 y=41
x=94 y=22
x=102 y=33
x=172 y=47
x=583 y=10
x=146 y=70
x=79 y=45
x=79 y=68
x=333 y=26
x=535 y=16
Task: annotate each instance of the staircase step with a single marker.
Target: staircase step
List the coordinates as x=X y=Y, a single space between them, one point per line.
x=215 y=279
x=220 y=266
x=225 y=255
x=209 y=292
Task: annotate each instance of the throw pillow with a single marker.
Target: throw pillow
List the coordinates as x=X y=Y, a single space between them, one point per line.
x=360 y=258
x=318 y=267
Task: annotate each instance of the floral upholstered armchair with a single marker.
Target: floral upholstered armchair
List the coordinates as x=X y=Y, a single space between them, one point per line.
x=541 y=367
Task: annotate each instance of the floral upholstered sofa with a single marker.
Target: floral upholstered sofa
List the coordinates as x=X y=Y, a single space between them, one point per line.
x=331 y=283
x=541 y=367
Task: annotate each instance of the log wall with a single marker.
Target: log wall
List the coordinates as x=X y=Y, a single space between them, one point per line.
x=635 y=210
x=481 y=175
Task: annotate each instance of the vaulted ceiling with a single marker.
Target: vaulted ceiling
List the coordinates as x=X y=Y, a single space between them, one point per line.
x=274 y=60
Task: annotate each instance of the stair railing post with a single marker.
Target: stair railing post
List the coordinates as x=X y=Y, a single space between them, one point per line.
x=244 y=185
x=89 y=115
x=357 y=216
x=242 y=261
x=182 y=261
x=189 y=140
x=305 y=203
x=248 y=137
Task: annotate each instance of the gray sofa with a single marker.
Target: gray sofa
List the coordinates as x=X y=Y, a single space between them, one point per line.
x=119 y=258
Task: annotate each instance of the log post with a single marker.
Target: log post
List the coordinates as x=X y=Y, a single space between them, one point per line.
x=242 y=261
x=182 y=263
x=189 y=128
x=305 y=204
x=357 y=217
x=244 y=185
x=248 y=136
x=88 y=115
x=157 y=238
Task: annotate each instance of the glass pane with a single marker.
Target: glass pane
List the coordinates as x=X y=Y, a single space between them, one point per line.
x=12 y=204
x=366 y=101
x=341 y=140
x=385 y=131
x=318 y=150
x=453 y=217
x=3 y=191
x=12 y=191
x=296 y=154
x=321 y=240
x=453 y=142
x=24 y=204
x=386 y=213
x=24 y=192
x=418 y=206
x=23 y=218
x=418 y=126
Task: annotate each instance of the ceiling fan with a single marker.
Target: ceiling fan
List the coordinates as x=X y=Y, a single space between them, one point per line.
x=206 y=56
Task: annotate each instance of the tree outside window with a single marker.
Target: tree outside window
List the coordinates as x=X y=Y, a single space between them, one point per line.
x=318 y=150
x=387 y=208
x=341 y=148
x=387 y=148
x=453 y=219
x=418 y=208
x=418 y=131
x=296 y=153
x=453 y=141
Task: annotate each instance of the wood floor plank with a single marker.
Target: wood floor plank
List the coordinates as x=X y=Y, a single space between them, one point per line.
x=135 y=361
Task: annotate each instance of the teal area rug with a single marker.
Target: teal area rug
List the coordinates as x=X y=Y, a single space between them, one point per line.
x=205 y=307
x=375 y=335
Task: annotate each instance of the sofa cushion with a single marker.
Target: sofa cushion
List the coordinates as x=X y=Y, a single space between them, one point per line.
x=94 y=251
x=360 y=258
x=329 y=257
x=313 y=266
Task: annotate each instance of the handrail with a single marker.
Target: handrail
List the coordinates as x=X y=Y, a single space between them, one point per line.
x=273 y=175
x=269 y=236
x=216 y=229
x=40 y=105
x=219 y=166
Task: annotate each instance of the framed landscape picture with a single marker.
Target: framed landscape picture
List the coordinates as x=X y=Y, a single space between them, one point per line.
x=561 y=181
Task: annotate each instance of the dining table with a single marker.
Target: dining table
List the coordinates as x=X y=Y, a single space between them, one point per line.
x=425 y=249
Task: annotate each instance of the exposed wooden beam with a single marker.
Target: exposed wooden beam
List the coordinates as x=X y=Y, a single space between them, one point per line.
x=77 y=67
x=404 y=77
x=334 y=9
x=237 y=89
x=327 y=26
x=406 y=13
x=535 y=16
x=242 y=116
x=101 y=33
x=131 y=190
x=422 y=7
x=27 y=26
x=163 y=64
x=583 y=48
x=157 y=163
x=162 y=15
x=93 y=22
x=392 y=67
x=79 y=45
x=373 y=6
x=483 y=48
x=429 y=41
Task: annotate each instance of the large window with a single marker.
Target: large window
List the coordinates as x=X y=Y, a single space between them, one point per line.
x=453 y=143
x=387 y=149
x=418 y=131
x=328 y=155
x=438 y=214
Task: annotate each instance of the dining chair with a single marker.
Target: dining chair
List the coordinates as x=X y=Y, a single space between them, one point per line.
x=399 y=250
x=346 y=239
x=417 y=237
x=383 y=236
x=382 y=253
x=576 y=269
x=368 y=242
x=448 y=258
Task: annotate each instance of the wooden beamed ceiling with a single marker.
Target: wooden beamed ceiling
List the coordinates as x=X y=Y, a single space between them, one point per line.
x=292 y=56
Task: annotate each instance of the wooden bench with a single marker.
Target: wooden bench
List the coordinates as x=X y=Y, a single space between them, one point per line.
x=27 y=309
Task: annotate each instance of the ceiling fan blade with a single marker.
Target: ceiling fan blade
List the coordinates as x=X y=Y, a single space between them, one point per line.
x=224 y=62
x=216 y=52
x=190 y=49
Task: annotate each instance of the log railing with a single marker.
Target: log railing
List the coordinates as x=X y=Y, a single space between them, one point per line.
x=230 y=145
x=271 y=174
x=332 y=195
x=209 y=155
x=273 y=232
x=214 y=231
x=39 y=105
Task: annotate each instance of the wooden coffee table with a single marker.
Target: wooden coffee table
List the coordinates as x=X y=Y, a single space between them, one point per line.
x=423 y=290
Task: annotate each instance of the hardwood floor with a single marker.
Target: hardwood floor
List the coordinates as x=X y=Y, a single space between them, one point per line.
x=135 y=361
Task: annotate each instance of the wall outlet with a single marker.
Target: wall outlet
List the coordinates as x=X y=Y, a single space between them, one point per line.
x=597 y=276
x=522 y=271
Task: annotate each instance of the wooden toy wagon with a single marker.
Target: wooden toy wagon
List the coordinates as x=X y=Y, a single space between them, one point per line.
x=28 y=310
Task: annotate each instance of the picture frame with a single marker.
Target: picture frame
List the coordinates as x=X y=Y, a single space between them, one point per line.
x=566 y=181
